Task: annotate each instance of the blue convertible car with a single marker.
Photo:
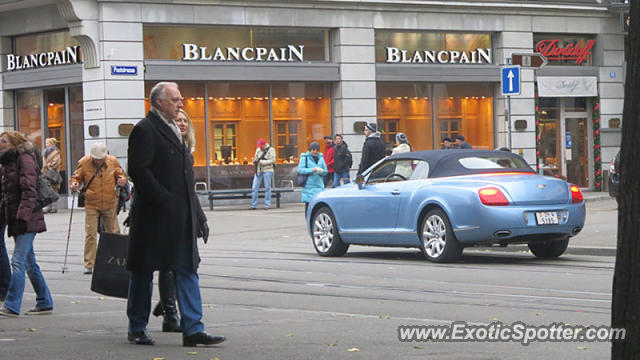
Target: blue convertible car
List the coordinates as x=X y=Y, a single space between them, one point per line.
x=444 y=200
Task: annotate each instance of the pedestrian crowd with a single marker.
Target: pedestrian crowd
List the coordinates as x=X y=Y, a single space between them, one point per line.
x=165 y=218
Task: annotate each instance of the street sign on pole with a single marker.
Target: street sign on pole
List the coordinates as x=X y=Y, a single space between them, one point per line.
x=529 y=60
x=510 y=80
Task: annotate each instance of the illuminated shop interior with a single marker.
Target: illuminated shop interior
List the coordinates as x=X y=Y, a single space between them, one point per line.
x=239 y=114
x=465 y=109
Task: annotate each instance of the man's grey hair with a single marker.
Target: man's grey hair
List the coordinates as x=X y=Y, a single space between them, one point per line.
x=159 y=91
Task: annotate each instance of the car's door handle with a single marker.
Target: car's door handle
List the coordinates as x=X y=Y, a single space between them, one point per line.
x=395 y=192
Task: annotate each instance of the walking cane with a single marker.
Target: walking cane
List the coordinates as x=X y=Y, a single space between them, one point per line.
x=73 y=200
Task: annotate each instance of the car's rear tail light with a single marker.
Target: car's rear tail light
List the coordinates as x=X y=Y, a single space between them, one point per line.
x=576 y=195
x=493 y=197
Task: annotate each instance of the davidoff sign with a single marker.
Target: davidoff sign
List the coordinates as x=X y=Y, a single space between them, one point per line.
x=41 y=60
x=290 y=53
x=477 y=56
x=578 y=52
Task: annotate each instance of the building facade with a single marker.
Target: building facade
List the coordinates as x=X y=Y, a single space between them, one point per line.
x=292 y=72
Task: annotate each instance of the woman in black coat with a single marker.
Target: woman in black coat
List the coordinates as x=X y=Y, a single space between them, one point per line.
x=19 y=176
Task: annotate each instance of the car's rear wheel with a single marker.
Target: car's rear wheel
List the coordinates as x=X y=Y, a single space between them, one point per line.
x=324 y=232
x=549 y=249
x=439 y=244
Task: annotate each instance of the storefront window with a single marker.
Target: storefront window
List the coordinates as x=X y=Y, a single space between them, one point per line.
x=30 y=114
x=55 y=120
x=467 y=110
x=461 y=109
x=38 y=43
x=238 y=115
x=548 y=128
x=405 y=108
x=166 y=42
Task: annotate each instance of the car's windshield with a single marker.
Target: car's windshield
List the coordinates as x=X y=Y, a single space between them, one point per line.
x=492 y=162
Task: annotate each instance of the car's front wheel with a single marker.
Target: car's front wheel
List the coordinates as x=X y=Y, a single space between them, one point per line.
x=324 y=232
x=549 y=249
x=439 y=244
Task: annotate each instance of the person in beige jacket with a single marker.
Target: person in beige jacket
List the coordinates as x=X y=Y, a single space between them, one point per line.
x=402 y=146
x=264 y=160
x=51 y=169
x=100 y=196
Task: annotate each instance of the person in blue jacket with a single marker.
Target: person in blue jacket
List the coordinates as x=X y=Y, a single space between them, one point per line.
x=312 y=164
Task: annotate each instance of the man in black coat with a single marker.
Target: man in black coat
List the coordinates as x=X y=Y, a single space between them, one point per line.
x=373 y=148
x=163 y=219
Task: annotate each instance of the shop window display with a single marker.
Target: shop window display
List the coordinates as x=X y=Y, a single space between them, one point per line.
x=465 y=109
x=239 y=114
x=405 y=108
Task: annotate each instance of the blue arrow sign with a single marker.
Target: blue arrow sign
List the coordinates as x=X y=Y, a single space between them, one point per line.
x=510 y=80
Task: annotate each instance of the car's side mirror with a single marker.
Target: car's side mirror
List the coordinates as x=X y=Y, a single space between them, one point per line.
x=360 y=181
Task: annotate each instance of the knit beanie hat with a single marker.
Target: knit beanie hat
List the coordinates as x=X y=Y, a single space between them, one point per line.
x=401 y=137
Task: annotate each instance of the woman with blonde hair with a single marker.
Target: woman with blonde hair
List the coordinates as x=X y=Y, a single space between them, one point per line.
x=183 y=121
x=51 y=168
x=19 y=174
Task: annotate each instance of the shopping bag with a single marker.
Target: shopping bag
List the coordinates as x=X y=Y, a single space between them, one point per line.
x=110 y=275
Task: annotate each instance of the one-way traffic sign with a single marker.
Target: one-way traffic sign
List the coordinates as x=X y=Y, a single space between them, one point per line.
x=510 y=80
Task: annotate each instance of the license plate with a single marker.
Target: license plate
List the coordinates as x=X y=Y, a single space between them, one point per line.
x=546 y=217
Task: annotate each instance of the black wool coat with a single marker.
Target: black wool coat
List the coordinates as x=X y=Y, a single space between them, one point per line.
x=19 y=177
x=163 y=211
x=372 y=151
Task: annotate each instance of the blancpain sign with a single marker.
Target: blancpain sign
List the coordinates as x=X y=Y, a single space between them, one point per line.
x=41 y=60
x=290 y=53
x=477 y=56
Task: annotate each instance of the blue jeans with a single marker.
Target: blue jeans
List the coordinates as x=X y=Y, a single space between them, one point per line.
x=24 y=258
x=188 y=294
x=337 y=176
x=5 y=265
x=264 y=177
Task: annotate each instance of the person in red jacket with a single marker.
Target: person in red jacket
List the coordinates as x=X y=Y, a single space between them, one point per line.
x=329 y=151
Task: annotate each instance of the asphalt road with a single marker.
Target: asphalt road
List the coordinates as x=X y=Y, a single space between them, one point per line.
x=266 y=290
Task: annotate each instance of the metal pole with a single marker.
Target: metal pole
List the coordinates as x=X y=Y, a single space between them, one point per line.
x=509 y=121
x=64 y=266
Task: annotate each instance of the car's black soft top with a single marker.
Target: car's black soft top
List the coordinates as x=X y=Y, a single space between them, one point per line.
x=446 y=162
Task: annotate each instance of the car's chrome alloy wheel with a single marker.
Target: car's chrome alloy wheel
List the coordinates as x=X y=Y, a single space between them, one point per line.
x=323 y=232
x=434 y=236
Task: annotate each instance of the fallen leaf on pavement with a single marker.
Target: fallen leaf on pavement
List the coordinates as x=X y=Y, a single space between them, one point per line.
x=101 y=298
x=582 y=348
x=32 y=329
x=289 y=335
x=418 y=347
x=353 y=350
x=192 y=353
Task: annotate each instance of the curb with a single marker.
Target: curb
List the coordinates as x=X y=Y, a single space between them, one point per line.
x=571 y=250
x=602 y=197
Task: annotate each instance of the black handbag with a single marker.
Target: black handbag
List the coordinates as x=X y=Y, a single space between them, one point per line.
x=110 y=275
x=301 y=180
x=45 y=194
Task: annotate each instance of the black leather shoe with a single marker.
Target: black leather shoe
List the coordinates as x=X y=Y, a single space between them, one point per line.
x=202 y=338
x=171 y=323
x=140 y=338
